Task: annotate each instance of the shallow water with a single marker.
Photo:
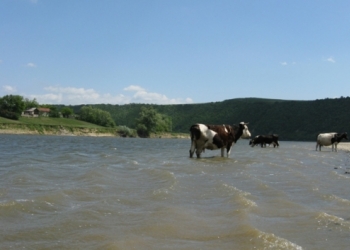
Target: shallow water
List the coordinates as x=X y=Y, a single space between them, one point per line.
x=61 y=192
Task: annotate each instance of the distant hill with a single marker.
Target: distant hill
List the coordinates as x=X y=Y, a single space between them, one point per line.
x=292 y=120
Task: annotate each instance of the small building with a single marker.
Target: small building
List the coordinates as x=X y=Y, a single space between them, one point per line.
x=36 y=112
x=44 y=111
x=32 y=112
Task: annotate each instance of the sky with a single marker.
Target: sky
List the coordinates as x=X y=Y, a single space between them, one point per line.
x=75 y=52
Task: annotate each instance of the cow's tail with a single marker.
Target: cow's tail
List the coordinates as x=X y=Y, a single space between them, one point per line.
x=195 y=134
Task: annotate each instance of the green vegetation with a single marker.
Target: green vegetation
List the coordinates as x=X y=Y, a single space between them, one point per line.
x=11 y=106
x=150 y=121
x=66 y=112
x=48 y=125
x=291 y=120
x=96 y=116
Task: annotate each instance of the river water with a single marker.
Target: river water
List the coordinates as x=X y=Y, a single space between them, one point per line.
x=67 y=192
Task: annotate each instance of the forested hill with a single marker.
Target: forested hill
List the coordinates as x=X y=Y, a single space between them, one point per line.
x=292 y=120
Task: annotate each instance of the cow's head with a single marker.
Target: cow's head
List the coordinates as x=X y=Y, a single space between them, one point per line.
x=246 y=134
x=345 y=136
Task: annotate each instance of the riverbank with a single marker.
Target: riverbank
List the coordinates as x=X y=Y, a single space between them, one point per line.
x=344 y=146
x=56 y=130
x=21 y=129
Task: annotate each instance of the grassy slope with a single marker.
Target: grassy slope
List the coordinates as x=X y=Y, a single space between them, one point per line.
x=50 y=121
x=46 y=125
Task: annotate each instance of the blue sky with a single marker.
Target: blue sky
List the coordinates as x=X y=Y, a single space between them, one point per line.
x=169 y=52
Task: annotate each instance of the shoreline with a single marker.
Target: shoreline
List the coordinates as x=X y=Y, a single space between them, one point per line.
x=61 y=132
x=86 y=132
x=345 y=146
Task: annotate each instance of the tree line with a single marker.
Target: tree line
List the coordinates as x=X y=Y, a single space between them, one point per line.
x=291 y=120
x=12 y=107
x=146 y=122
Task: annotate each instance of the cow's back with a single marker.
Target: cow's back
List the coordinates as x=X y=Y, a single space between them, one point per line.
x=325 y=139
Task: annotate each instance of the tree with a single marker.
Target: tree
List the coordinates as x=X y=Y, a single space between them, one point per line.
x=30 y=103
x=12 y=103
x=11 y=106
x=150 y=121
x=54 y=113
x=96 y=116
x=66 y=112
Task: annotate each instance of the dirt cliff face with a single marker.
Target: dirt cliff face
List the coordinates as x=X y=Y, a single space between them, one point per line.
x=22 y=129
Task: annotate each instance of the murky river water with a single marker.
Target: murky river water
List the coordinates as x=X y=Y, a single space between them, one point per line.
x=120 y=193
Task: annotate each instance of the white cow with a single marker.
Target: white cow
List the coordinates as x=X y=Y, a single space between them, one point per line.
x=327 y=139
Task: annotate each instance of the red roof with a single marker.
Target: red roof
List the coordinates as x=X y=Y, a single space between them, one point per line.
x=44 y=109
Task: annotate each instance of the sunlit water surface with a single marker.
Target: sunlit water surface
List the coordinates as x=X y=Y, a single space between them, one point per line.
x=61 y=192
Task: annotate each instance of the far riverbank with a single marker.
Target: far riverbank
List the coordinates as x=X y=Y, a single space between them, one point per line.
x=18 y=129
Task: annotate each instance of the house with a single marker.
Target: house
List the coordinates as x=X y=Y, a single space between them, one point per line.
x=44 y=111
x=32 y=112
x=36 y=112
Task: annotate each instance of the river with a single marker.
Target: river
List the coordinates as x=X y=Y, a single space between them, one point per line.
x=68 y=192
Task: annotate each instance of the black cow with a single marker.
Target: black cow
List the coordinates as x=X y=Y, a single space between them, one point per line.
x=265 y=139
x=216 y=137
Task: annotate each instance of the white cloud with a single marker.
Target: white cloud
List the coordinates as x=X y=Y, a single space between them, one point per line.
x=75 y=96
x=142 y=96
x=31 y=65
x=9 y=89
x=134 y=88
x=330 y=59
x=284 y=63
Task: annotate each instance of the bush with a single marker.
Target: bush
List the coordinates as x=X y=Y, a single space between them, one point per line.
x=9 y=115
x=96 y=116
x=124 y=131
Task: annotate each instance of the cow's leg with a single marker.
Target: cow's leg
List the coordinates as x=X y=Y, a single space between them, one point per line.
x=228 y=151
x=228 y=148
x=198 y=152
x=222 y=152
x=192 y=149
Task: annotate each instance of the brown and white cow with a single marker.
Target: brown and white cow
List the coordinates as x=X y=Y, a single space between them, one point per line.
x=216 y=137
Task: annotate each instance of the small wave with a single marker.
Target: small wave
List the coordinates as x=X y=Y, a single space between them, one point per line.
x=337 y=199
x=332 y=222
x=271 y=241
x=341 y=174
x=163 y=181
x=253 y=238
x=241 y=195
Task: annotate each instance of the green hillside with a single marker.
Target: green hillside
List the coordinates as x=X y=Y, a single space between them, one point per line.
x=292 y=120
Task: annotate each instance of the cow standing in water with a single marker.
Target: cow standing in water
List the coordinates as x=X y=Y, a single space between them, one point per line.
x=216 y=137
x=265 y=139
x=328 y=139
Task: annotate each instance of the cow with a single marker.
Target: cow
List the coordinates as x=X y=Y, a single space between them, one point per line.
x=265 y=139
x=327 y=139
x=216 y=137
